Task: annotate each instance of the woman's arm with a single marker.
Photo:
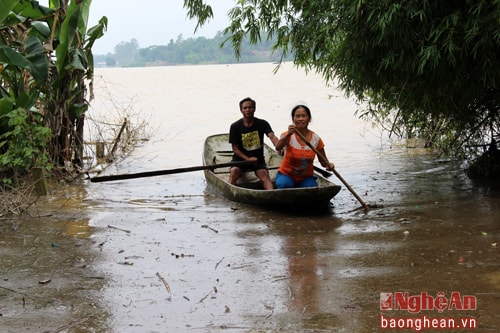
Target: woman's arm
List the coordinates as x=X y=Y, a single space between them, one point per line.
x=324 y=161
x=285 y=137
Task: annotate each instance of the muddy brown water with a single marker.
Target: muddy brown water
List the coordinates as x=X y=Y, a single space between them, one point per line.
x=164 y=254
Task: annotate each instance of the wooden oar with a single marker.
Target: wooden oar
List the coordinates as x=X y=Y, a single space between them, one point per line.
x=165 y=172
x=324 y=160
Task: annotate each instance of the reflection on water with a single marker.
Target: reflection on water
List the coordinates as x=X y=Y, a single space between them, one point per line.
x=309 y=271
x=305 y=243
x=240 y=268
x=49 y=281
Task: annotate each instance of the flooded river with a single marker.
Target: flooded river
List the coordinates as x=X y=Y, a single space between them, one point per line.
x=165 y=254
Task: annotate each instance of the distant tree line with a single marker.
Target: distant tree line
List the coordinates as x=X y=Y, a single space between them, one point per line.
x=191 y=51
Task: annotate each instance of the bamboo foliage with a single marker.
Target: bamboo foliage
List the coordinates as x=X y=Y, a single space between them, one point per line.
x=425 y=60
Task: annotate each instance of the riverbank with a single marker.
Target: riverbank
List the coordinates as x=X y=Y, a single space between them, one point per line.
x=97 y=257
x=169 y=255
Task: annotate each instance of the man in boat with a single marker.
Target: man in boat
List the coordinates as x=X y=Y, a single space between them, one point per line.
x=246 y=136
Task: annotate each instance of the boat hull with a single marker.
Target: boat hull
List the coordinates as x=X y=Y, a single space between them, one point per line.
x=249 y=189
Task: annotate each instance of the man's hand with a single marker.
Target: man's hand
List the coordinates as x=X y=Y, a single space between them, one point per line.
x=254 y=160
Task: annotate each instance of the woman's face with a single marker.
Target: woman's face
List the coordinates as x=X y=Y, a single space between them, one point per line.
x=301 y=118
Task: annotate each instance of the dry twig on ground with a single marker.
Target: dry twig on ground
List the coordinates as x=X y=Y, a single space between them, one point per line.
x=15 y=200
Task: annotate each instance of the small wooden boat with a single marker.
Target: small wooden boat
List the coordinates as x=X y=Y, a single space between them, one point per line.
x=249 y=188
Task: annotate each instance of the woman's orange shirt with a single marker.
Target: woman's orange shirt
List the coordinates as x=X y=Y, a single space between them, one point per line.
x=299 y=158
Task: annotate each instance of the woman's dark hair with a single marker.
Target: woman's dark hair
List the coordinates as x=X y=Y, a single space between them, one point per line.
x=303 y=107
x=248 y=99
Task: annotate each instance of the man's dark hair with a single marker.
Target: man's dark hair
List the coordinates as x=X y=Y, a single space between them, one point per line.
x=247 y=99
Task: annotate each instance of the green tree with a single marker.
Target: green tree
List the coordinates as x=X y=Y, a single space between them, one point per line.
x=125 y=52
x=429 y=68
x=110 y=60
x=24 y=69
x=67 y=97
x=45 y=64
x=202 y=50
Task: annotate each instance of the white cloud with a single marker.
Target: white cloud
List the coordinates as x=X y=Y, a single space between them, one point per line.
x=151 y=22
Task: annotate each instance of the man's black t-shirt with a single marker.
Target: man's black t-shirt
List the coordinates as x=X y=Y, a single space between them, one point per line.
x=250 y=140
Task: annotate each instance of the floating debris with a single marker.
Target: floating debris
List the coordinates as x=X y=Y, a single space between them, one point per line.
x=208 y=227
x=404 y=220
x=182 y=255
x=166 y=285
x=116 y=228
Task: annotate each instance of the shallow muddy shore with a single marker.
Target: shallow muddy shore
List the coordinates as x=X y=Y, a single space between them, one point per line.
x=143 y=257
x=164 y=254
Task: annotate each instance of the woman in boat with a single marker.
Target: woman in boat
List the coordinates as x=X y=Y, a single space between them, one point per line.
x=297 y=169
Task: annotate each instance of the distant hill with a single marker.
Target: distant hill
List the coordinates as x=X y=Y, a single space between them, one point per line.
x=190 y=51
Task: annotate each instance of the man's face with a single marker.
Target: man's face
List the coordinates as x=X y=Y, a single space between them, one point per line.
x=247 y=109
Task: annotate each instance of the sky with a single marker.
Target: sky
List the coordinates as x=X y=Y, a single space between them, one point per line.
x=152 y=22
